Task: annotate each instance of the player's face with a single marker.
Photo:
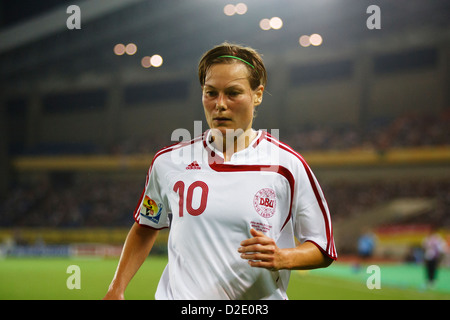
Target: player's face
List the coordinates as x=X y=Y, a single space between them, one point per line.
x=228 y=99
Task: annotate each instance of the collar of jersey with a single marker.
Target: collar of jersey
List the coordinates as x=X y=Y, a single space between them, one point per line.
x=210 y=145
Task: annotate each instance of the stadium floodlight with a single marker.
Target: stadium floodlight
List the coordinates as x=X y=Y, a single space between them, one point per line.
x=273 y=23
x=316 y=39
x=229 y=10
x=145 y=62
x=119 y=49
x=265 y=24
x=131 y=49
x=156 y=60
x=241 y=8
x=276 y=23
x=304 y=41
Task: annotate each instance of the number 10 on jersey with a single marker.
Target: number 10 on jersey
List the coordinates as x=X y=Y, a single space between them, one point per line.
x=179 y=188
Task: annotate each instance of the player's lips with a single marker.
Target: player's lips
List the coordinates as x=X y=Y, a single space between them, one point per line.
x=221 y=119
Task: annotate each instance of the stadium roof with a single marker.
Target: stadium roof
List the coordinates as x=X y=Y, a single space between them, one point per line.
x=35 y=40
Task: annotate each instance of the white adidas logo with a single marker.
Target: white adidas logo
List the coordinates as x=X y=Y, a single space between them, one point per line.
x=193 y=166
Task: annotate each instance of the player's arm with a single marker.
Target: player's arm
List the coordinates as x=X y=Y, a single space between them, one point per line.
x=262 y=252
x=305 y=256
x=137 y=246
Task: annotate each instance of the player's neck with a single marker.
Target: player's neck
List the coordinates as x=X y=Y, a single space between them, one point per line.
x=233 y=141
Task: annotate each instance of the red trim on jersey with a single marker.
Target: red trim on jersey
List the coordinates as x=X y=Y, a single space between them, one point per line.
x=138 y=206
x=330 y=249
x=261 y=137
x=216 y=163
x=220 y=167
x=175 y=146
x=334 y=257
x=160 y=152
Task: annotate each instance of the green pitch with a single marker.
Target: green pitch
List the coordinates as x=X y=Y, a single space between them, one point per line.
x=46 y=278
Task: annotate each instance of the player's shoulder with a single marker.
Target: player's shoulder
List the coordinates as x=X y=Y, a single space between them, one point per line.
x=285 y=152
x=169 y=150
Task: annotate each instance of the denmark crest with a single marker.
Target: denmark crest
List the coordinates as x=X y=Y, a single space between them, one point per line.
x=265 y=202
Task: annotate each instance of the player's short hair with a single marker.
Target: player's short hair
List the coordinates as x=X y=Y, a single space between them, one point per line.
x=258 y=74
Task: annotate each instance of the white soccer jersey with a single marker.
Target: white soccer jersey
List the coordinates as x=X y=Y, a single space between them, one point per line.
x=213 y=205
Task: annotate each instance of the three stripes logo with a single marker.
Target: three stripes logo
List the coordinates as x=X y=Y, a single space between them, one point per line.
x=193 y=166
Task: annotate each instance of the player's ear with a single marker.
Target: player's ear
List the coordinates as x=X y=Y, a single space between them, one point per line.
x=258 y=95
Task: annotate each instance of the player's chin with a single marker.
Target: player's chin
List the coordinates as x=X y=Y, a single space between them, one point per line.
x=222 y=129
x=222 y=124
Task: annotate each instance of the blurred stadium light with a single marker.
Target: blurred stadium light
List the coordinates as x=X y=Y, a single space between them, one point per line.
x=51 y=22
x=182 y=30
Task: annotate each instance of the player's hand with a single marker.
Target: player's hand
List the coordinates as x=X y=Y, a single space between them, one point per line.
x=261 y=251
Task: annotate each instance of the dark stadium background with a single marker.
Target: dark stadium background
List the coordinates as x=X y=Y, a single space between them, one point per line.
x=369 y=109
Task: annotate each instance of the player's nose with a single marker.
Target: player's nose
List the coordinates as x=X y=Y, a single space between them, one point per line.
x=221 y=102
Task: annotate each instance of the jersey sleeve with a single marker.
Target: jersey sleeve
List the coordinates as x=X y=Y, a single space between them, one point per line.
x=152 y=209
x=311 y=216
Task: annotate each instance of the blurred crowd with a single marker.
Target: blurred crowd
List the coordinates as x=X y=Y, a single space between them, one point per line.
x=97 y=203
x=106 y=203
x=100 y=203
x=408 y=130
x=347 y=199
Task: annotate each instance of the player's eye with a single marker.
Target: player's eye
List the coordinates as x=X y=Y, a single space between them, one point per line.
x=233 y=94
x=210 y=93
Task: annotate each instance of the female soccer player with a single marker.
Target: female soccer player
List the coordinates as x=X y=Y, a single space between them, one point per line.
x=234 y=199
